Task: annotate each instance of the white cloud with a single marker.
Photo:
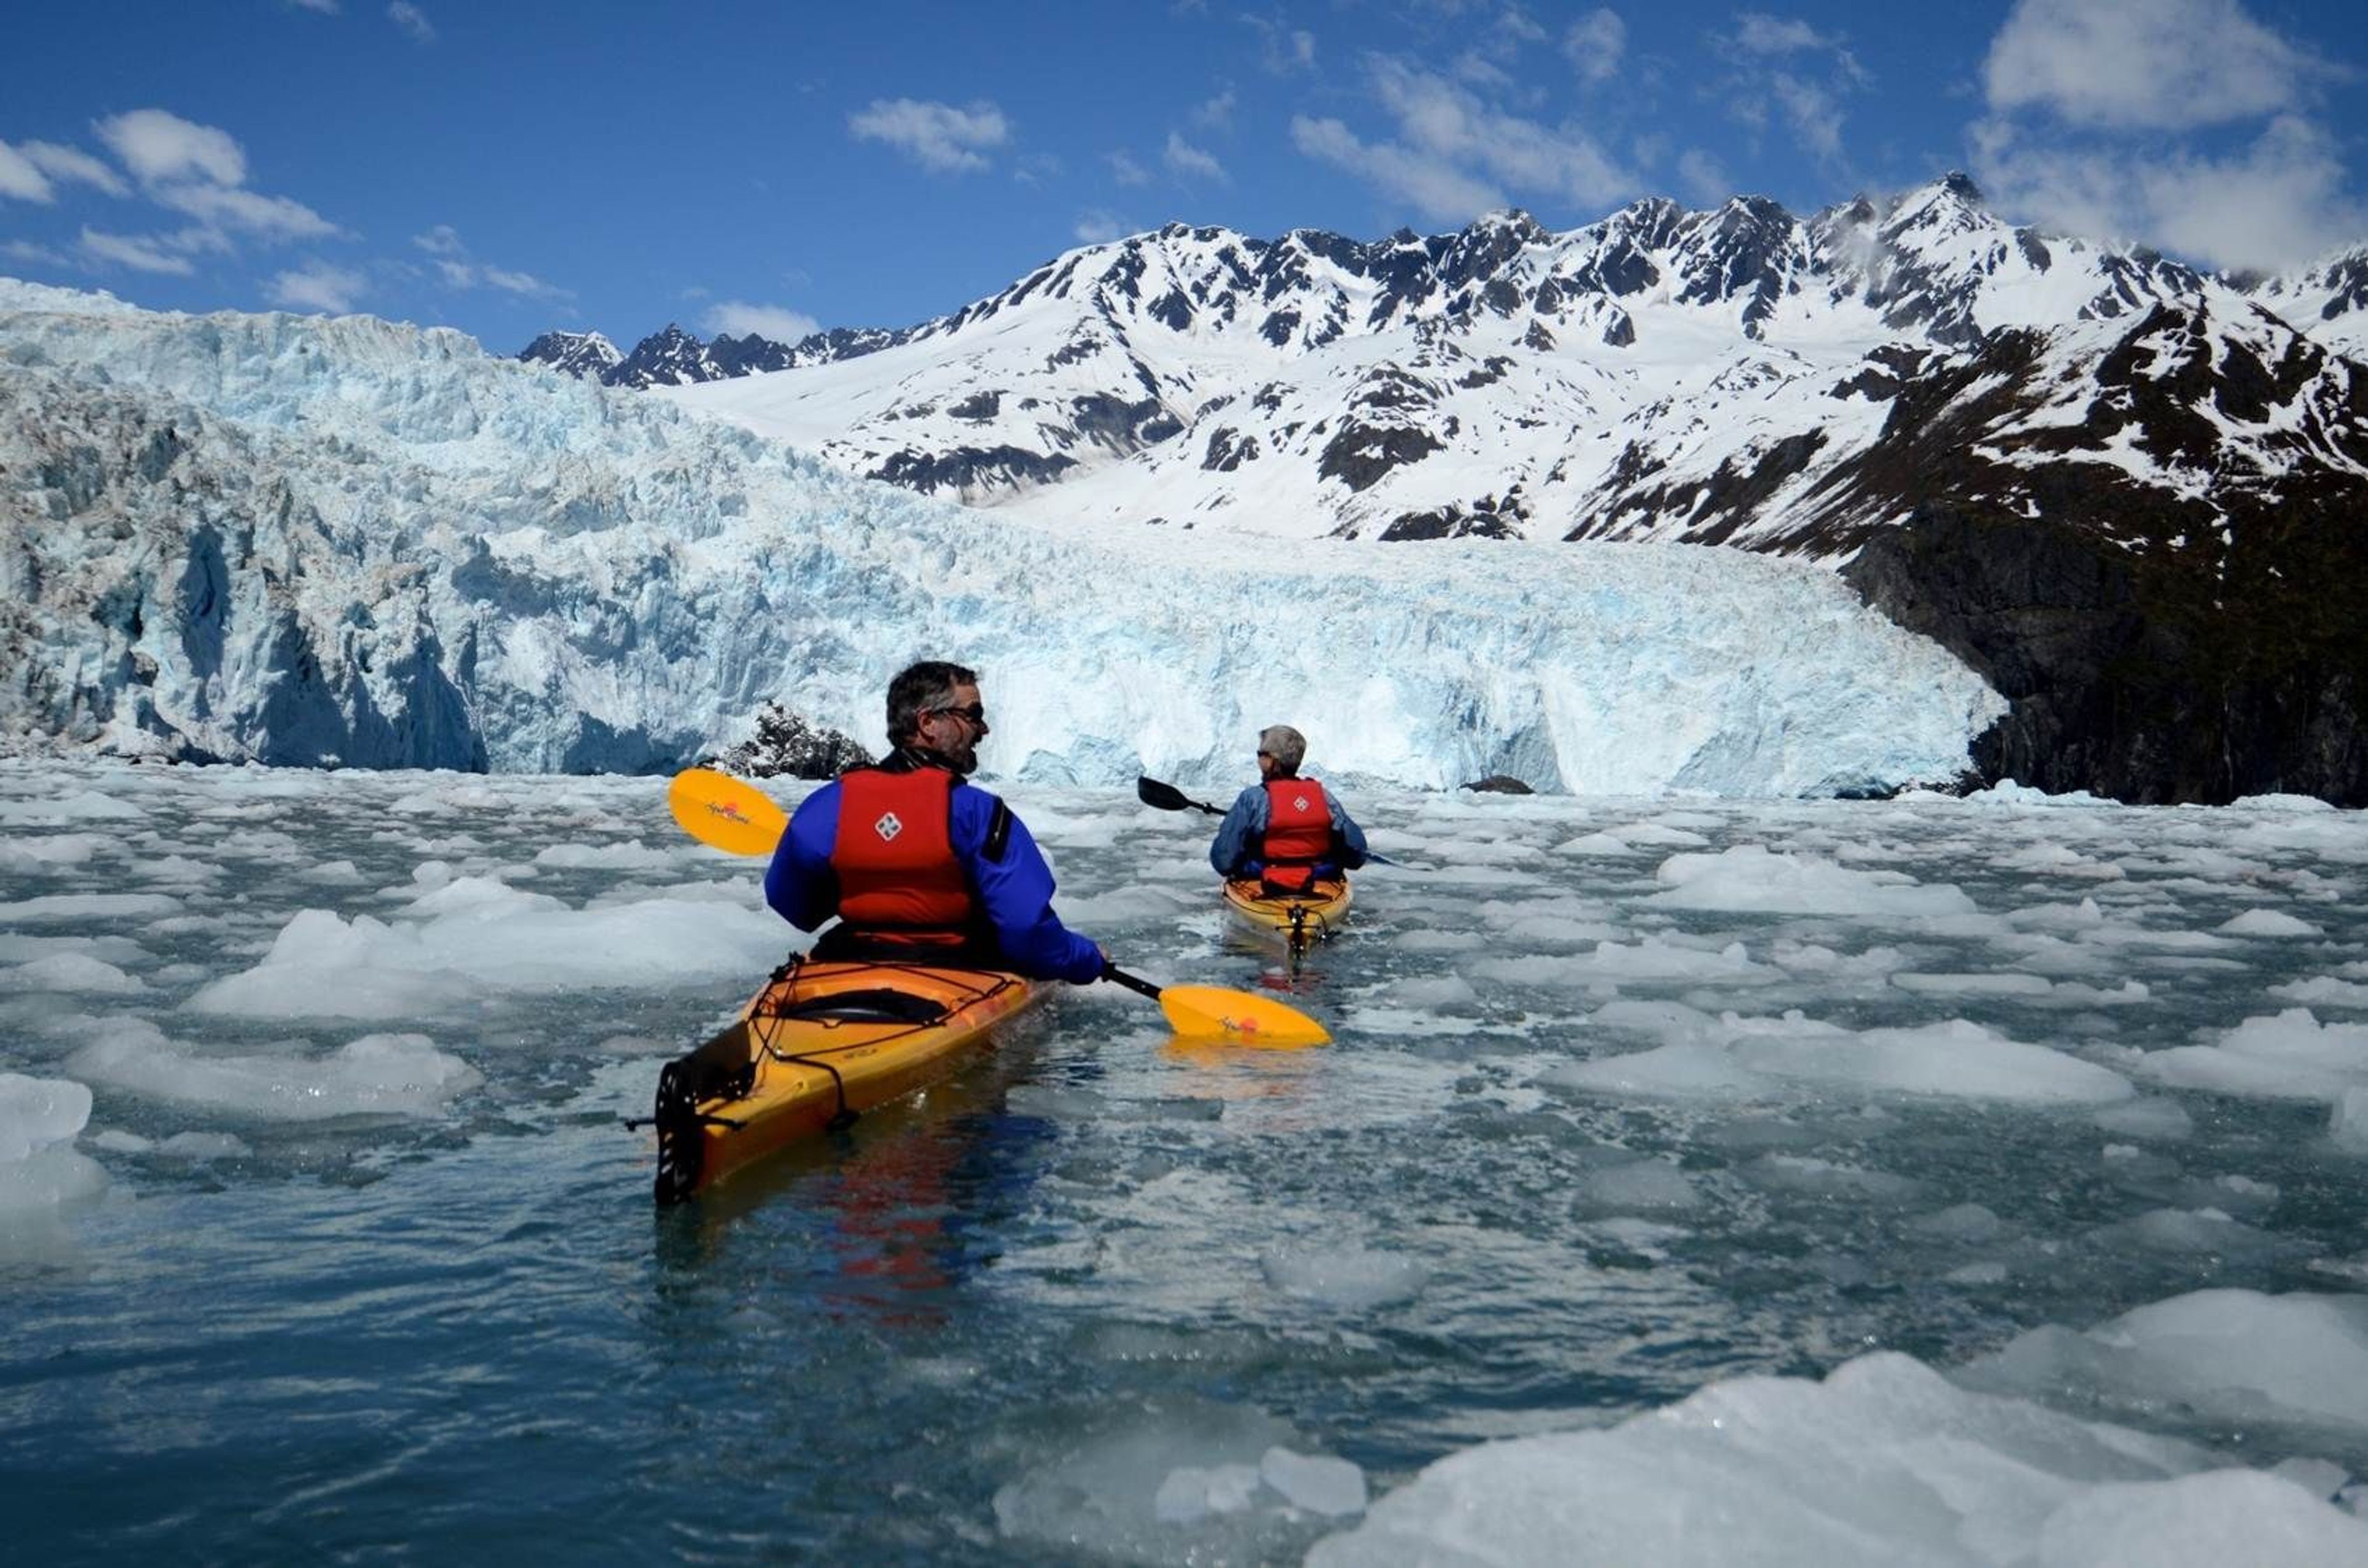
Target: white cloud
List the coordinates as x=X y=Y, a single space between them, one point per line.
x=1781 y=66
x=1704 y=178
x=1594 y=44
x=441 y=240
x=1759 y=33
x=1456 y=154
x=939 y=137
x=318 y=287
x=2088 y=103
x=1434 y=186
x=2276 y=204
x=1284 y=49
x=2144 y=64
x=74 y=166
x=737 y=318
x=156 y=146
x=1098 y=228
x=1126 y=170
x=1189 y=162
x=26 y=250
x=325 y=7
x=20 y=177
x=140 y=255
x=1217 y=113
x=266 y=217
x=413 y=20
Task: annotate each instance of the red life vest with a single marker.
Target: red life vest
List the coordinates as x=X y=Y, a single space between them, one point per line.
x=1298 y=831
x=899 y=878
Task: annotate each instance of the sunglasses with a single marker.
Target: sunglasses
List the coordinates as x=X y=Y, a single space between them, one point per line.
x=975 y=713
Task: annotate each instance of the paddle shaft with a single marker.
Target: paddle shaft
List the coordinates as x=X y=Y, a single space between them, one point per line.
x=1134 y=983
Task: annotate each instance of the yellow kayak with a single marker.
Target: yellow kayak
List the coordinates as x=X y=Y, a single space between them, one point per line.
x=1311 y=916
x=822 y=1043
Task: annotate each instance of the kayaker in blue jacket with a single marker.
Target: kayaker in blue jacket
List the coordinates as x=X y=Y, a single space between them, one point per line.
x=917 y=864
x=1284 y=830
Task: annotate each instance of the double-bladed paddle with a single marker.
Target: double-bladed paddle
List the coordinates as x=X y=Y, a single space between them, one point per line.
x=736 y=817
x=1169 y=798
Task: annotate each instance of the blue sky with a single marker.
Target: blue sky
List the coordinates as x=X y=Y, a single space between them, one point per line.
x=504 y=167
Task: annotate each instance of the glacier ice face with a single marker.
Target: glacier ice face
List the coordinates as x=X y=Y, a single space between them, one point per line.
x=353 y=542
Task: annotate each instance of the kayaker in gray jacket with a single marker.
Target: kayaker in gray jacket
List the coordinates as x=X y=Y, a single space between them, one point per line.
x=1284 y=830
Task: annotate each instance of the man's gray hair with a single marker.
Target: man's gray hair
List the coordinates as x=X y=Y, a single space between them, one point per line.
x=1283 y=743
x=917 y=689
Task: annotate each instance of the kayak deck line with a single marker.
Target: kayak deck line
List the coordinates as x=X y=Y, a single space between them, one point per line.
x=1300 y=920
x=821 y=1043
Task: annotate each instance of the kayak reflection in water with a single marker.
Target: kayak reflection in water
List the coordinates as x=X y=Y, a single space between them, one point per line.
x=1286 y=831
x=917 y=864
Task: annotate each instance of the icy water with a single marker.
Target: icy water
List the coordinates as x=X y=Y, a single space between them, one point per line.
x=1799 y=1104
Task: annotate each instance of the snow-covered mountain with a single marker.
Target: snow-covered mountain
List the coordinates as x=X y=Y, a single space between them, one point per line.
x=585 y=353
x=348 y=542
x=1737 y=375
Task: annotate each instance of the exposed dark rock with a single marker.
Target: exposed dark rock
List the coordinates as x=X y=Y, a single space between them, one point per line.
x=1500 y=784
x=2149 y=676
x=966 y=467
x=1359 y=454
x=787 y=743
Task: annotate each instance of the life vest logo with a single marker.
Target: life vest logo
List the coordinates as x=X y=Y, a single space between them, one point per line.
x=1300 y=801
x=887 y=827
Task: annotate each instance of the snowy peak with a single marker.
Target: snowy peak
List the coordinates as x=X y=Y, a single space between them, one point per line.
x=585 y=353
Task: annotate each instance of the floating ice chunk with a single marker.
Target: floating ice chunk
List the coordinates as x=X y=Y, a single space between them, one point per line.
x=1189 y=1495
x=1425 y=991
x=2161 y=1121
x=483 y=936
x=2009 y=984
x=1352 y=1278
x=1653 y=960
x=1186 y=1484
x=71 y=972
x=383 y=1075
x=2189 y=1232
x=29 y=856
x=2347 y=1127
x=332 y=874
x=2006 y=793
x=634 y=855
x=1648 y=1186
x=2230 y=1518
x=201 y=1147
x=2324 y=991
x=1882 y=1465
x=39 y=1167
x=2235 y=1355
x=2268 y=923
x=2290 y=1056
x=1605 y=845
x=1751 y=878
x=1815 y=1177
x=1317 y=1483
x=1956 y=1058
x=64 y=906
x=84 y=805
x=1962 y=1223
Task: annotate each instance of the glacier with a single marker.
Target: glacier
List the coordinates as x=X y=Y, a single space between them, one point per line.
x=355 y=542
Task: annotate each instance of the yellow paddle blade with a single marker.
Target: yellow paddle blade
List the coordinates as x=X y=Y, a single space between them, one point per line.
x=717 y=809
x=1236 y=1018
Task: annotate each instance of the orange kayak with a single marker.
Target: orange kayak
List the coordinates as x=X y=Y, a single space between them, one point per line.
x=1300 y=918
x=819 y=1045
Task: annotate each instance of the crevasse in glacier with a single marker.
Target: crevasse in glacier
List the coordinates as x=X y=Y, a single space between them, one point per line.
x=355 y=542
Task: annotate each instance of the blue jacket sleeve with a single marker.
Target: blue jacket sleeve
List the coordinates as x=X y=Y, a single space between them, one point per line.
x=1346 y=834
x=799 y=884
x=1238 y=835
x=1015 y=887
